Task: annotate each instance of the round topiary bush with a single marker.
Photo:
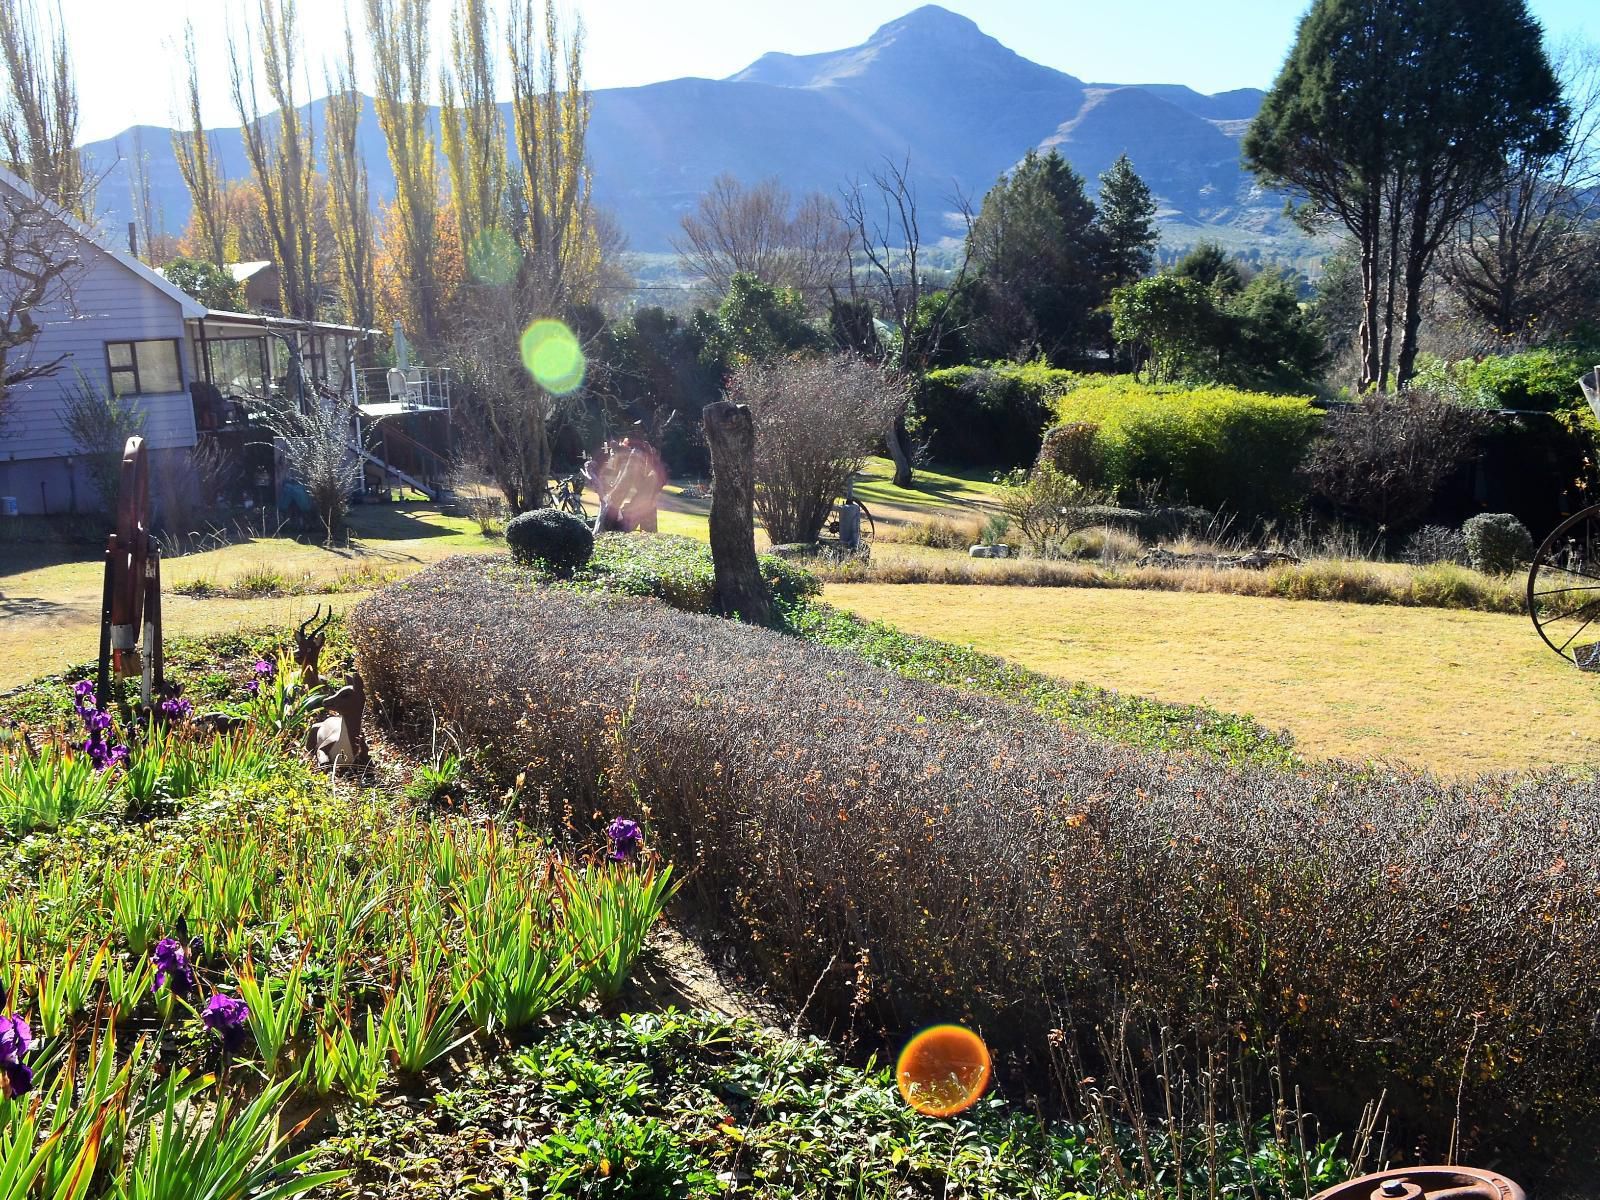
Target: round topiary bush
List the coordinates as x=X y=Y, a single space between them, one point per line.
x=1497 y=543
x=559 y=540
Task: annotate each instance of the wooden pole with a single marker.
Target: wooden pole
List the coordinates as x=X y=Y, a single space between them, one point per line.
x=730 y=434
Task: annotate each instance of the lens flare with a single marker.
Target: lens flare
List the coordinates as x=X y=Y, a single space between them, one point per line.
x=943 y=1070
x=553 y=357
x=493 y=257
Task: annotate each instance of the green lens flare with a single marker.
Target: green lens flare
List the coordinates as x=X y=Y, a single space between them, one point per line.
x=553 y=357
x=492 y=257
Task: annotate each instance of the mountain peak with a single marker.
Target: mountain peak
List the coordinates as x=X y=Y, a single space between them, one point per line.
x=929 y=21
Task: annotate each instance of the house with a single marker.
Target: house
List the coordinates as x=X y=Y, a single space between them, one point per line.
x=197 y=375
x=260 y=281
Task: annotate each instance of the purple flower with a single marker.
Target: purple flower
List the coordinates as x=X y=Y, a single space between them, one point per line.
x=177 y=709
x=226 y=1017
x=16 y=1039
x=626 y=838
x=264 y=668
x=99 y=746
x=83 y=689
x=174 y=970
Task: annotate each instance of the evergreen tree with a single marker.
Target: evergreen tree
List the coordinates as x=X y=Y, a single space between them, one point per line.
x=1126 y=225
x=1036 y=250
x=1211 y=265
x=1395 y=118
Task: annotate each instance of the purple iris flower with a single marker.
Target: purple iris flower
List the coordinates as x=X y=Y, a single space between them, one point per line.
x=626 y=838
x=177 y=709
x=264 y=668
x=174 y=968
x=83 y=689
x=16 y=1039
x=226 y=1016
x=102 y=750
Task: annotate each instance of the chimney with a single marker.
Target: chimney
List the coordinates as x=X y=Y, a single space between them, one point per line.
x=133 y=239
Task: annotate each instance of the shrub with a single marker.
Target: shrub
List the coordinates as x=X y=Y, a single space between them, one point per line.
x=1107 y=544
x=1545 y=380
x=941 y=533
x=1497 y=543
x=1212 y=446
x=1435 y=544
x=679 y=571
x=1384 y=458
x=557 y=539
x=1046 y=505
x=936 y=855
x=990 y=416
x=1074 y=450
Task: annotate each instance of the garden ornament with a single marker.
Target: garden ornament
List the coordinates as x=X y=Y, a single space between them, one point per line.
x=130 y=616
x=336 y=740
x=308 y=644
x=1427 y=1183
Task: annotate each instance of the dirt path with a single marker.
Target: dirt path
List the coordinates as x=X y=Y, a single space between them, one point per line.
x=1455 y=691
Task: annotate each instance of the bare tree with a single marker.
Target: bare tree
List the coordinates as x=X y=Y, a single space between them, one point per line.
x=470 y=127
x=760 y=231
x=317 y=439
x=348 y=190
x=887 y=232
x=40 y=263
x=1528 y=252
x=816 y=420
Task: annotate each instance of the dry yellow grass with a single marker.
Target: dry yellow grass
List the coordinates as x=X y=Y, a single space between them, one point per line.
x=1459 y=692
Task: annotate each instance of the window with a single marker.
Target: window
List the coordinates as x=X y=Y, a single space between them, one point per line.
x=144 y=368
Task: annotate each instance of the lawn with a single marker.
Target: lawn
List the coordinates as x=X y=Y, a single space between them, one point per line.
x=1458 y=692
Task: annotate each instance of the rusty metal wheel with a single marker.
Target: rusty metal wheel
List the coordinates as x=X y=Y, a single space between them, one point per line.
x=1564 y=589
x=1427 y=1183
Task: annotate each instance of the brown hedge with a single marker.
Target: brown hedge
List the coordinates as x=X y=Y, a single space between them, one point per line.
x=994 y=868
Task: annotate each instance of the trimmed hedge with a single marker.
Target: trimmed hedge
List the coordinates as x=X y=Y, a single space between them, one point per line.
x=557 y=539
x=1216 y=447
x=679 y=571
x=941 y=855
x=992 y=416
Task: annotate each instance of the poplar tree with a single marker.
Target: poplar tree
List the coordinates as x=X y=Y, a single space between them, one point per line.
x=348 y=190
x=200 y=167
x=39 y=108
x=472 y=130
x=281 y=159
x=398 y=33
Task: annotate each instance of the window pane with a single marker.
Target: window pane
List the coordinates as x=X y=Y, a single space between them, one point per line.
x=120 y=354
x=122 y=382
x=158 y=367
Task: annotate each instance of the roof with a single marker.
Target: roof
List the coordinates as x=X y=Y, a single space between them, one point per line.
x=187 y=303
x=244 y=270
x=262 y=321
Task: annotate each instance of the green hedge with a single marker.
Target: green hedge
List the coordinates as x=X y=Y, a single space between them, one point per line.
x=992 y=416
x=1213 y=446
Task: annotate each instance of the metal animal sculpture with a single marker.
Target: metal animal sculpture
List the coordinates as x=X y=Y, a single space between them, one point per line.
x=336 y=740
x=308 y=644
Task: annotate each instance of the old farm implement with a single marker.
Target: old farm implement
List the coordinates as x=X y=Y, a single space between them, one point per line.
x=1564 y=582
x=130 y=617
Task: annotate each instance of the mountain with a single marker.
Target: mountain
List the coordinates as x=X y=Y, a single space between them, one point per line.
x=931 y=89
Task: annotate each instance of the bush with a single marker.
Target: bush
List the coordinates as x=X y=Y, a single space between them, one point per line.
x=991 y=416
x=1545 y=380
x=1074 y=450
x=1211 y=446
x=936 y=855
x=1436 y=544
x=1497 y=543
x=561 y=541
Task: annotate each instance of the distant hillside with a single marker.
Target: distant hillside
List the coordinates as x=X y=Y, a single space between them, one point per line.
x=931 y=87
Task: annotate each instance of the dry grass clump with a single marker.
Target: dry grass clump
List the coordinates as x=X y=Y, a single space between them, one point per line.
x=941 y=533
x=1440 y=585
x=940 y=855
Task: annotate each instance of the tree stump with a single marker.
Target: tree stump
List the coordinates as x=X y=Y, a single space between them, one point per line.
x=731 y=436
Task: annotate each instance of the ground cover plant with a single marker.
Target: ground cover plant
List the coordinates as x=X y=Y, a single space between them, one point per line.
x=897 y=849
x=286 y=985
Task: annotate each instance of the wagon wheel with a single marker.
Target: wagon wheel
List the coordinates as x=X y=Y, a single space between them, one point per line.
x=1427 y=1183
x=128 y=564
x=1564 y=589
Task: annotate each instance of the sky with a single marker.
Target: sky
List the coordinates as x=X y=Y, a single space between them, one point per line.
x=130 y=71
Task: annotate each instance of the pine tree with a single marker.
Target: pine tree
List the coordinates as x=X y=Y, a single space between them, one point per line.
x=1127 y=226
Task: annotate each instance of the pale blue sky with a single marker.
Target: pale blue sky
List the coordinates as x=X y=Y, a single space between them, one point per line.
x=129 y=72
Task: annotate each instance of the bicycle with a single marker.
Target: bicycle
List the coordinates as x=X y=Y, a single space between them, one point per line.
x=566 y=493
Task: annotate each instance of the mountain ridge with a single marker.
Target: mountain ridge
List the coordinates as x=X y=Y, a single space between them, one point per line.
x=930 y=88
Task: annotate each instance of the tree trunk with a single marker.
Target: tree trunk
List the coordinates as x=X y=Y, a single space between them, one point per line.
x=1369 y=300
x=899 y=443
x=731 y=438
x=1417 y=254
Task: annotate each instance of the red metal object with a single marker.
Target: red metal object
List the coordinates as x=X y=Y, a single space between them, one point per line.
x=1427 y=1183
x=132 y=598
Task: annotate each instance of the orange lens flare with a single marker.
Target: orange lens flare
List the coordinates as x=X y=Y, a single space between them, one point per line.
x=943 y=1070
